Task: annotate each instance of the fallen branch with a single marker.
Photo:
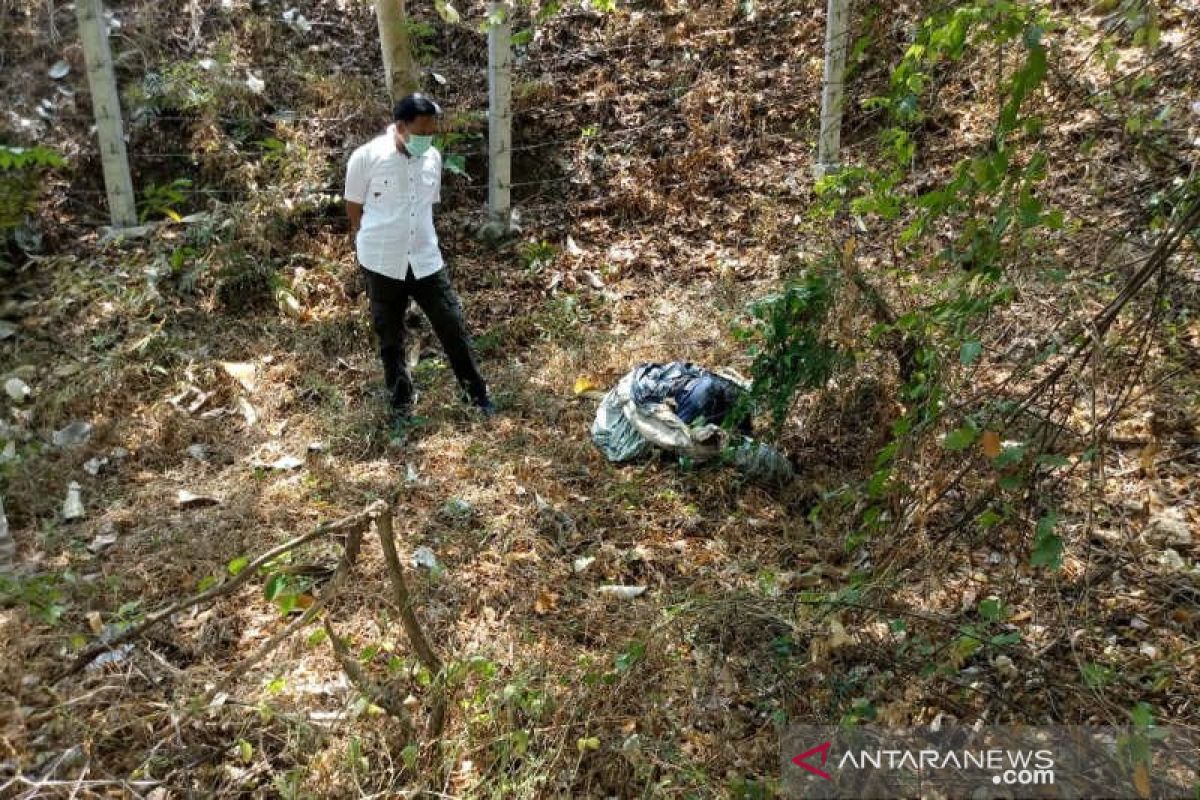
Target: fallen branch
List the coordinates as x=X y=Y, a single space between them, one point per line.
x=379 y=695
x=345 y=565
x=89 y=653
x=412 y=628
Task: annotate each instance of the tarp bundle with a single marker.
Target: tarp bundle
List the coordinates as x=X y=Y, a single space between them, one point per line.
x=679 y=407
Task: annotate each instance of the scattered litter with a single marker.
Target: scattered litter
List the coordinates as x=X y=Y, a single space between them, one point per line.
x=457 y=509
x=594 y=280
x=285 y=463
x=424 y=557
x=7 y=329
x=582 y=563
x=17 y=389
x=247 y=411
x=191 y=399
x=72 y=508
x=679 y=407
x=60 y=70
x=242 y=372
x=255 y=84
x=111 y=657
x=573 y=249
x=186 y=499
x=73 y=435
x=93 y=466
x=440 y=79
x=198 y=452
x=622 y=592
x=8 y=548
x=102 y=542
x=296 y=21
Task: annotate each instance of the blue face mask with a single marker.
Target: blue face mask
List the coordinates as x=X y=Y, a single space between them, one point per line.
x=418 y=145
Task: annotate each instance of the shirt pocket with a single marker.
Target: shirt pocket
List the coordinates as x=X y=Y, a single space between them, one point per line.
x=383 y=190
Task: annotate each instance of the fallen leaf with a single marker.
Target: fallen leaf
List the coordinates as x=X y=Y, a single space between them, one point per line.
x=94 y=622
x=584 y=384
x=545 y=603
x=1141 y=779
x=990 y=442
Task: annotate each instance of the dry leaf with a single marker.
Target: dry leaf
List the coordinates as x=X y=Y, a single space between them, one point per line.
x=545 y=603
x=584 y=384
x=242 y=372
x=1141 y=779
x=990 y=442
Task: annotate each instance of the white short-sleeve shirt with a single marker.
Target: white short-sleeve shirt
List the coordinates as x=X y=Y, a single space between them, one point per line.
x=397 y=193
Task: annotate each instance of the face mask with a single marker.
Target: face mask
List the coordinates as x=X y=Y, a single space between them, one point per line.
x=417 y=145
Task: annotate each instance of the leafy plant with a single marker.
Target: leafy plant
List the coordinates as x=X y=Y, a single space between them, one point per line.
x=164 y=200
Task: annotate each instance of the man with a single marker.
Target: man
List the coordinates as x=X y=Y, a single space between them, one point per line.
x=392 y=183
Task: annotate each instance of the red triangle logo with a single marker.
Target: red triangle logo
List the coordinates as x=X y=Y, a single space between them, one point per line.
x=823 y=749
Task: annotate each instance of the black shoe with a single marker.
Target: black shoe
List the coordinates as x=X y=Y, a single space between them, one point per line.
x=487 y=409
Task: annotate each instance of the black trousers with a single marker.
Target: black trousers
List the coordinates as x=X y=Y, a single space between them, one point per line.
x=436 y=297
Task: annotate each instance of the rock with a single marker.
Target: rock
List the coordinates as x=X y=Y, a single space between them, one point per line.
x=72 y=508
x=60 y=70
x=186 y=499
x=1169 y=528
x=17 y=389
x=7 y=329
x=73 y=435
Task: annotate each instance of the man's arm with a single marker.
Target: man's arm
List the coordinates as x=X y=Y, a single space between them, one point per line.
x=354 y=211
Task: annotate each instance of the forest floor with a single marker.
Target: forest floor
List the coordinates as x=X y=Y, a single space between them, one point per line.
x=662 y=172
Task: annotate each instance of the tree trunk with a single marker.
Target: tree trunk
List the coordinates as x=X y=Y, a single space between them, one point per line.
x=398 y=66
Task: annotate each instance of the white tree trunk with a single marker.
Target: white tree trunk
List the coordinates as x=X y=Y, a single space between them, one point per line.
x=500 y=114
x=398 y=66
x=106 y=108
x=837 y=35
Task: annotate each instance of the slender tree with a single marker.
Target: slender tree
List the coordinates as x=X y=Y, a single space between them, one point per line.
x=398 y=65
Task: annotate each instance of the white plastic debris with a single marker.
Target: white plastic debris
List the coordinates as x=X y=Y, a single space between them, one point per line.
x=17 y=389
x=241 y=371
x=8 y=548
x=111 y=657
x=255 y=83
x=582 y=563
x=73 y=435
x=72 y=508
x=60 y=70
x=186 y=499
x=285 y=463
x=622 y=592
x=296 y=21
x=93 y=466
x=102 y=542
x=424 y=557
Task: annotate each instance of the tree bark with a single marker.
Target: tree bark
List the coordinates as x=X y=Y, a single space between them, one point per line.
x=398 y=66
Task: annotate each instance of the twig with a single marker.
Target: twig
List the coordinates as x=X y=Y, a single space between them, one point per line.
x=412 y=628
x=345 y=565
x=377 y=694
x=220 y=590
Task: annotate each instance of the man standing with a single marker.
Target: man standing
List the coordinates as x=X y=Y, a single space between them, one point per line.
x=392 y=183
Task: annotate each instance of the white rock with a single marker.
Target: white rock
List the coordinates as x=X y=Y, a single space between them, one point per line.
x=17 y=389
x=72 y=508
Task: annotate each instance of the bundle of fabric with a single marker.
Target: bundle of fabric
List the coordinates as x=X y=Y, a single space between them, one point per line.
x=680 y=408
